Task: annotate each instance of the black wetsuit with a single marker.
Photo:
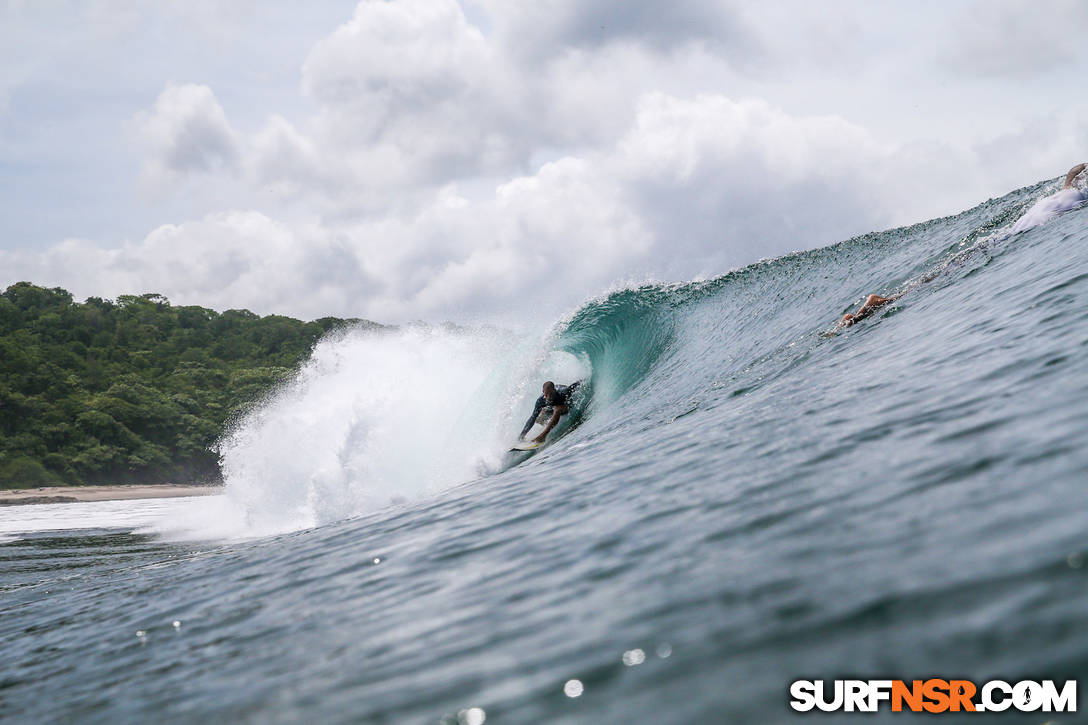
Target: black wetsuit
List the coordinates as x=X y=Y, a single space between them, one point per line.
x=563 y=394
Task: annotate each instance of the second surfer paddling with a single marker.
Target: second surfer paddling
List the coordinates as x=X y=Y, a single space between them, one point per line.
x=872 y=304
x=1072 y=195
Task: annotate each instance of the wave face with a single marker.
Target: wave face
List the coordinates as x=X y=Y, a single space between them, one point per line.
x=745 y=502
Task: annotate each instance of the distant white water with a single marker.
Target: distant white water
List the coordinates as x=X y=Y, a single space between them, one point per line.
x=136 y=514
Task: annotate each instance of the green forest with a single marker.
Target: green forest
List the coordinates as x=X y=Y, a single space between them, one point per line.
x=134 y=390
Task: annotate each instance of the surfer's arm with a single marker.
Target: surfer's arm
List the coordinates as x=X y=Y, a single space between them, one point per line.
x=871 y=304
x=560 y=411
x=532 y=418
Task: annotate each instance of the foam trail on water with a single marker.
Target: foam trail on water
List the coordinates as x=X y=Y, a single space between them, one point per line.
x=373 y=418
x=1049 y=207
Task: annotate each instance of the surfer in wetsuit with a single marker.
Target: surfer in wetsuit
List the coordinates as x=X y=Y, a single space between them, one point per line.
x=1073 y=193
x=555 y=402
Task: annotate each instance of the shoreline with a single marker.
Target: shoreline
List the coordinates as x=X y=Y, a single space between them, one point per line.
x=82 y=494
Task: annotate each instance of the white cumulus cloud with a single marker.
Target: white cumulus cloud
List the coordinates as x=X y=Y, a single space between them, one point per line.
x=1011 y=38
x=695 y=186
x=185 y=132
x=414 y=93
x=487 y=159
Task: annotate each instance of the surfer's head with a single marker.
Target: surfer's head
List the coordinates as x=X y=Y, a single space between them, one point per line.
x=549 y=390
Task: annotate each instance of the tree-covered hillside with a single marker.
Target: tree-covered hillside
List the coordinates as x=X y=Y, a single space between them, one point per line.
x=134 y=390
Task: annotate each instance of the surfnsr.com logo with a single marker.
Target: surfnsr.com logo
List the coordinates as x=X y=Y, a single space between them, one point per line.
x=933 y=695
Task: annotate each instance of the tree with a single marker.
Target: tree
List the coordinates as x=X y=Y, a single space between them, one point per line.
x=131 y=391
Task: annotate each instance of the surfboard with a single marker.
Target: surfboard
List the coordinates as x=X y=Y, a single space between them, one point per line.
x=526 y=446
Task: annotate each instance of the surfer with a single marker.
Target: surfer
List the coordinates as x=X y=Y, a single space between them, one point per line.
x=872 y=304
x=555 y=402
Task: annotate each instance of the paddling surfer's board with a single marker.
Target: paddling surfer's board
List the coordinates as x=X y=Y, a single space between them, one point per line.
x=526 y=446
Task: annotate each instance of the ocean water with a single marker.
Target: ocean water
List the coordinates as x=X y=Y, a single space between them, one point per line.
x=745 y=502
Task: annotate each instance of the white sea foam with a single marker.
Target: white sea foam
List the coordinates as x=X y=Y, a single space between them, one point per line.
x=1049 y=207
x=132 y=514
x=373 y=418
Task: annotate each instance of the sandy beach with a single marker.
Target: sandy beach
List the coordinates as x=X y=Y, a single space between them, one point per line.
x=75 y=494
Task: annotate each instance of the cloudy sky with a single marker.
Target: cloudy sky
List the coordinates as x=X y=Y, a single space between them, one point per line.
x=499 y=160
